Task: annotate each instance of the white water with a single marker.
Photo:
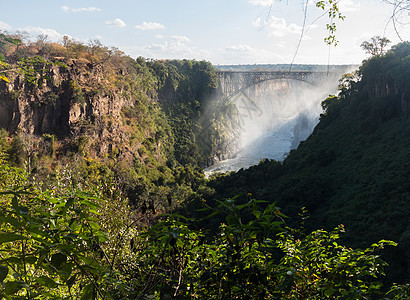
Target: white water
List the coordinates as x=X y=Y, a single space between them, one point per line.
x=272 y=144
x=273 y=123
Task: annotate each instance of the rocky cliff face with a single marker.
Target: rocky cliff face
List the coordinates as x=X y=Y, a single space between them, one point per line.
x=68 y=102
x=113 y=114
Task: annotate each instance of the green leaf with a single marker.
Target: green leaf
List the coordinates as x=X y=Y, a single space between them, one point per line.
x=12 y=221
x=65 y=247
x=88 y=292
x=257 y=214
x=31 y=259
x=94 y=225
x=10 y=237
x=46 y=281
x=71 y=280
x=58 y=259
x=15 y=203
x=12 y=287
x=90 y=204
x=69 y=202
x=88 y=260
x=3 y=273
x=12 y=260
x=23 y=210
x=329 y=292
x=66 y=270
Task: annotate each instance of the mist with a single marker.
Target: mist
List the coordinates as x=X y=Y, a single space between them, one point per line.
x=275 y=116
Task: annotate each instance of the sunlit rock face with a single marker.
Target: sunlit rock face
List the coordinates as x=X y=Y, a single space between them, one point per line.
x=274 y=117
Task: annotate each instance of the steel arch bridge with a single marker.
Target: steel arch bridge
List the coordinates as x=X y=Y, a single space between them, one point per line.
x=234 y=82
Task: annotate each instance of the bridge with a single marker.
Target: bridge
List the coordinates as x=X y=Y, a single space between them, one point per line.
x=235 y=82
x=240 y=87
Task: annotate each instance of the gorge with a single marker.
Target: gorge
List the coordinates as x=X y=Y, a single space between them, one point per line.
x=103 y=193
x=277 y=109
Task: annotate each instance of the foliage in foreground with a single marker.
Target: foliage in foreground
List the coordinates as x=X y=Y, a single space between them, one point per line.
x=54 y=245
x=354 y=168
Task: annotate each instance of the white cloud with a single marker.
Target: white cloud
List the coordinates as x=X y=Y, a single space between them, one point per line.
x=157 y=47
x=262 y=2
x=4 y=26
x=116 y=23
x=348 y=5
x=245 y=54
x=52 y=34
x=82 y=9
x=180 y=38
x=159 y=36
x=175 y=47
x=277 y=26
x=150 y=26
x=238 y=48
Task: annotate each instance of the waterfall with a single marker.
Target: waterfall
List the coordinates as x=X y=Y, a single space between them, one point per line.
x=274 y=117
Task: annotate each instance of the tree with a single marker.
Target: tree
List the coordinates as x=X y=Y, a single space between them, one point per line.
x=376 y=46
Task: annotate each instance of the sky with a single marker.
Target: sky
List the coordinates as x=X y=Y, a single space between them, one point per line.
x=219 y=31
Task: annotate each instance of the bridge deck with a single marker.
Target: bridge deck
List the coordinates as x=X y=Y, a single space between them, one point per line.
x=229 y=72
x=233 y=82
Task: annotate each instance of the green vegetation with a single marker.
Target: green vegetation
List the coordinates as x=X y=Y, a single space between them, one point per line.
x=157 y=157
x=353 y=169
x=65 y=243
x=105 y=199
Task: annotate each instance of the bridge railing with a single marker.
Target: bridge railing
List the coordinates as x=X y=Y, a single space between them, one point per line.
x=234 y=81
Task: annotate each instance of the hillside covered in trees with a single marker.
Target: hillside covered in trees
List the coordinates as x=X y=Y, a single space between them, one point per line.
x=354 y=168
x=103 y=197
x=101 y=114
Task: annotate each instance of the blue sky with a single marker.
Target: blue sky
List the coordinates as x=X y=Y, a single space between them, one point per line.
x=220 y=31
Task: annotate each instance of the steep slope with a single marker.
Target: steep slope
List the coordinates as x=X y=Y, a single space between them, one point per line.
x=143 y=124
x=355 y=167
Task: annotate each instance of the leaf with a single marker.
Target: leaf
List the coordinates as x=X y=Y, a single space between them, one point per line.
x=71 y=280
x=3 y=273
x=88 y=292
x=31 y=259
x=10 y=237
x=94 y=225
x=4 y=78
x=12 y=260
x=88 y=260
x=239 y=207
x=69 y=203
x=12 y=287
x=23 y=210
x=38 y=231
x=12 y=221
x=15 y=203
x=46 y=281
x=66 y=247
x=90 y=204
x=66 y=270
x=58 y=259
x=329 y=292
x=257 y=214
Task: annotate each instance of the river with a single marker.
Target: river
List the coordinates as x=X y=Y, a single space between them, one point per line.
x=274 y=143
x=273 y=123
